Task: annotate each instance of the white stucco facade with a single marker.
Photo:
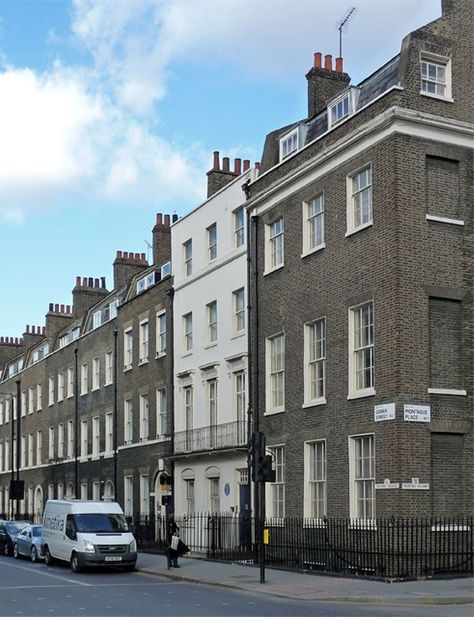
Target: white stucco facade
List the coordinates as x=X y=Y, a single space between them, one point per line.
x=210 y=344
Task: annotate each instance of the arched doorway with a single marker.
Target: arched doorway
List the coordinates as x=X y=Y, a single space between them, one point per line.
x=38 y=504
x=70 y=490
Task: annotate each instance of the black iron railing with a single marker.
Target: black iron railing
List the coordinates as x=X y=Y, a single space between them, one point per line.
x=388 y=549
x=226 y=435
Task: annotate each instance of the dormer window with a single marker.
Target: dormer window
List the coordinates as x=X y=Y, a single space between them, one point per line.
x=435 y=76
x=339 y=110
x=145 y=282
x=288 y=144
x=166 y=269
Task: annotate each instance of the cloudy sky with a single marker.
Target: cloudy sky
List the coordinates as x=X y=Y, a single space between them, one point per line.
x=110 y=111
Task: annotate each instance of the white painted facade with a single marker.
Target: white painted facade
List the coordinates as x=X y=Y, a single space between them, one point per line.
x=210 y=376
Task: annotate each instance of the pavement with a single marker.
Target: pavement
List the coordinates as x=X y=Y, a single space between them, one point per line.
x=302 y=586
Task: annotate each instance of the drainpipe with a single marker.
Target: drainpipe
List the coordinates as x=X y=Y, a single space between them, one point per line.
x=115 y=416
x=18 y=439
x=76 y=425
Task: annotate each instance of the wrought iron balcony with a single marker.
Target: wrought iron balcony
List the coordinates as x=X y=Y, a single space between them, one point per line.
x=216 y=437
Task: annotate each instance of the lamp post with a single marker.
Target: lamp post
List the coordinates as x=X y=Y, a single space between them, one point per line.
x=16 y=487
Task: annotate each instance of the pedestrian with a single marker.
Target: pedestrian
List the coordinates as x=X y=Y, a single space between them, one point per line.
x=173 y=531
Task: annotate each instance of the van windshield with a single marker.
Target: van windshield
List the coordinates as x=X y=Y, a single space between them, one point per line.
x=100 y=523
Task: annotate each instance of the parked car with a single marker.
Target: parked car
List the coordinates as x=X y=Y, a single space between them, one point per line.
x=28 y=543
x=8 y=532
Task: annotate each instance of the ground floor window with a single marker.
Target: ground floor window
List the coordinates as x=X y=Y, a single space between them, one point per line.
x=362 y=472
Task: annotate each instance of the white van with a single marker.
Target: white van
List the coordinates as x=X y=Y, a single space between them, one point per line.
x=87 y=533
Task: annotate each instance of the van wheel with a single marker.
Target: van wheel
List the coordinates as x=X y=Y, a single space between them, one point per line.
x=34 y=554
x=75 y=567
x=48 y=558
x=16 y=554
x=6 y=552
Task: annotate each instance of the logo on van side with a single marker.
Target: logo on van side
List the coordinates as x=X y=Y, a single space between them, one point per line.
x=55 y=523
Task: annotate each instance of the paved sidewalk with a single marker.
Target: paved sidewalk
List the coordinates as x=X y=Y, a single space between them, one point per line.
x=299 y=586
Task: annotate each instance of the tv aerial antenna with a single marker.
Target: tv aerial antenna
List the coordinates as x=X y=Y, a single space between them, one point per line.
x=342 y=26
x=148 y=248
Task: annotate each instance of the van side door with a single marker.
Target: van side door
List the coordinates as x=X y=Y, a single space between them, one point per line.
x=70 y=538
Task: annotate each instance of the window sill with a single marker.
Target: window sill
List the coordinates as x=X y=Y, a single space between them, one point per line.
x=160 y=354
x=39 y=409
x=363 y=525
x=143 y=361
x=238 y=335
x=273 y=412
x=95 y=389
x=315 y=403
x=361 y=394
x=351 y=232
x=315 y=250
x=127 y=368
x=187 y=353
x=109 y=383
x=430 y=95
x=447 y=391
x=210 y=345
x=279 y=267
x=83 y=394
x=442 y=219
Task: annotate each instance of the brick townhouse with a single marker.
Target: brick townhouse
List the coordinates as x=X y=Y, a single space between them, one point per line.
x=362 y=301
x=94 y=388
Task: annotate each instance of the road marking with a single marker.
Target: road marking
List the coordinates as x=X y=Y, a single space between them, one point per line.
x=68 y=580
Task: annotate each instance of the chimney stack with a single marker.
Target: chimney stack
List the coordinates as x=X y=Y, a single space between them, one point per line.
x=126 y=265
x=162 y=238
x=324 y=83
x=217 y=178
x=87 y=292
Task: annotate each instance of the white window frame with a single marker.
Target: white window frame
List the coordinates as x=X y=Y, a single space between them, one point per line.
x=127 y=420
x=289 y=143
x=128 y=495
x=239 y=227
x=84 y=378
x=109 y=432
x=214 y=494
x=274 y=245
x=161 y=333
x=315 y=485
x=188 y=257
x=109 y=368
x=23 y=403
x=161 y=412
x=240 y=398
x=211 y=318
x=212 y=242
x=275 y=491
x=51 y=443
x=358 y=348
x=144 y=495
x=61 y=440
x=274 y=372
x=355 y=198
x=188 y=407
x=143 y=341
x=339 y=109
x=95 y=436
x=31 y=452
x=212 y=410
x=313 y=225
x=315 y=362
x=190 y=496
x=70 y=383
x=39 y=447
x=39 y=397
x=84 y=450
x=361 y=484
x=96 y=491
x=239 y=310
x=127 y=349
x=31 y=399
x=144 y=417
x=427 y=60
x=70 y=439
x=95 y=374
x=188 y=332
x=50 y=391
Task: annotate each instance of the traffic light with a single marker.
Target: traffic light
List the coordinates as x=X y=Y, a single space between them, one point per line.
x=260 y=462
x=269 y=474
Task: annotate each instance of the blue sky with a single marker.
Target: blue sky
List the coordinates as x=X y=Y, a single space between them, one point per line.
x=110 y=111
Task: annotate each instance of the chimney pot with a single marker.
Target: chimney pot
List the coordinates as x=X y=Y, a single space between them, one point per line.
x=339 y=65
x=216 y=164
x=257 y=165
x=175 y=218
x=84 y=281
x=225 y=164
x=238 y=166
x=246 y=164
x=27 y=329
x=142 y=256
x=56 y=308
x=102 y=280
x=51 y=305
x=317 y=60
x=328 y=62
x=44 y=330
x=159 y=219
x=78 y=281
x=167 y=220
x=62 y=308
x=119 y=254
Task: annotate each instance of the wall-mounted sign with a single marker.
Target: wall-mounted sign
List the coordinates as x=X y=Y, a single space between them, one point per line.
x=416 y=485
x=417 y=413
x=227 y=490
x=387 y=484
x=384 y=412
